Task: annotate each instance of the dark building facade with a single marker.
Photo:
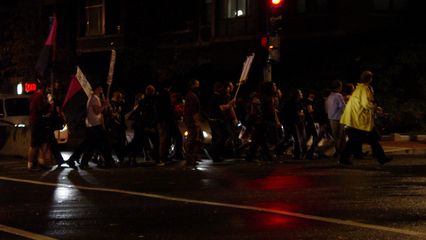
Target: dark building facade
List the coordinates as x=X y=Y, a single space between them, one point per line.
x=313 y=40
x=210 y=38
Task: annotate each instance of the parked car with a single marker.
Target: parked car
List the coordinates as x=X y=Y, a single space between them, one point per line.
x=14 y=111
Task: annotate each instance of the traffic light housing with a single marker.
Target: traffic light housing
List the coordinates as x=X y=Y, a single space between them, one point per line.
x=276 y=3
x=274 y=48
x=275 y=16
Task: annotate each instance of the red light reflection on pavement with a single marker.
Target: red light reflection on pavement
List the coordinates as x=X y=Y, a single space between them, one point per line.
x=270 y=221
x=266 y=221
x=275 y=182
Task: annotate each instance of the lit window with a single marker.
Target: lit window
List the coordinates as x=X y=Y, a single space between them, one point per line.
x=95 y=17
x=235 y=8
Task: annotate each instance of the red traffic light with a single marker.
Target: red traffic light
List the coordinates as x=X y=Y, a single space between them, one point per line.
x=276 y=3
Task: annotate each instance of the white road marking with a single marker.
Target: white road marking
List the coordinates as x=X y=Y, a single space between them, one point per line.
x=22 y=233
x=229 y=205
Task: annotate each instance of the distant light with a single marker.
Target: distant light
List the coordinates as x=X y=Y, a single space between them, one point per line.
x=264 y=42
x=19 y=89
x=240 y=13
x=205 y=134
x=20 y=125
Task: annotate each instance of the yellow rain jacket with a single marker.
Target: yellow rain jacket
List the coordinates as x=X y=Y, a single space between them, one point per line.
x=359 y=111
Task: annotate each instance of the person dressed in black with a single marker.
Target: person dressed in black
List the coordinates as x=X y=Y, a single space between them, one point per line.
x=311 y=130
x=165 y=120
x=55 y=121
x=218 y=106
x=176 y=101
x=148 y=113
x=135 y=147
x=264 y=122
x=116 y=126
x=192 y=120
x=294 y=117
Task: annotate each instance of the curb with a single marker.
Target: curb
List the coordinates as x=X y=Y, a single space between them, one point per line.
x=397 y=137
x=404 y=151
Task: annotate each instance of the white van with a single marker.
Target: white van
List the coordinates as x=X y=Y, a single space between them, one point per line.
x=14 y=111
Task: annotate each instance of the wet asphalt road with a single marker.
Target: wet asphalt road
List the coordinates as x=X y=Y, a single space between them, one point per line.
x=230 y=200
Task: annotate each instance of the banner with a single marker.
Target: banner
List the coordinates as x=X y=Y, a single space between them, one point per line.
x=244 y=73
x=83 y=82
x=111 y=67
x=246 y=68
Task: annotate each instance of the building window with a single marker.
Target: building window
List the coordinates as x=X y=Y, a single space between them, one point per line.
x=95 y=17
x=235 y=8
x=312 y=6
x=390 y=5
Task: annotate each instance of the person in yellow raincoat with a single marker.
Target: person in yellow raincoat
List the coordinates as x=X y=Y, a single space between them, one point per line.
x=358 y=118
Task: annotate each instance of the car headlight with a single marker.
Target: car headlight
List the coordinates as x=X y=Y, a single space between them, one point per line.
x=205 y=134
x=65 y=128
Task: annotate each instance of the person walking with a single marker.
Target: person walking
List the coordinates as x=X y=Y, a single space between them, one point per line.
x=358 y=117
x=39 y=108
x=165 y=118
x=55 y=122
x=117 y=126
x=311 y=122
x=264 y=122
x=176 y=100
x=334 y=106
x=293 y=114
x=96 y=134
x=218 y=107
x=192 y=120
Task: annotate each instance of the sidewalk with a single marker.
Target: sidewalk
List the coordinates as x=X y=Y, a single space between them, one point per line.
x=404 y=147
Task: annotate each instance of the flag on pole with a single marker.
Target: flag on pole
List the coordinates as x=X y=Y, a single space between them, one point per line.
x=78 y=82
x=47 y=54
x=74 y=88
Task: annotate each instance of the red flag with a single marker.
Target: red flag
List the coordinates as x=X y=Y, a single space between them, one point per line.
x=72 y=90
x=47 y=55
x=78 y=81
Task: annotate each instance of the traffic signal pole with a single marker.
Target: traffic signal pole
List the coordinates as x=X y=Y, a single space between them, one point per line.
x=274 y=18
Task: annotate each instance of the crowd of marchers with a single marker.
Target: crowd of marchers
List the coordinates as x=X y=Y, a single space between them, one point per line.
x=262 y=126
